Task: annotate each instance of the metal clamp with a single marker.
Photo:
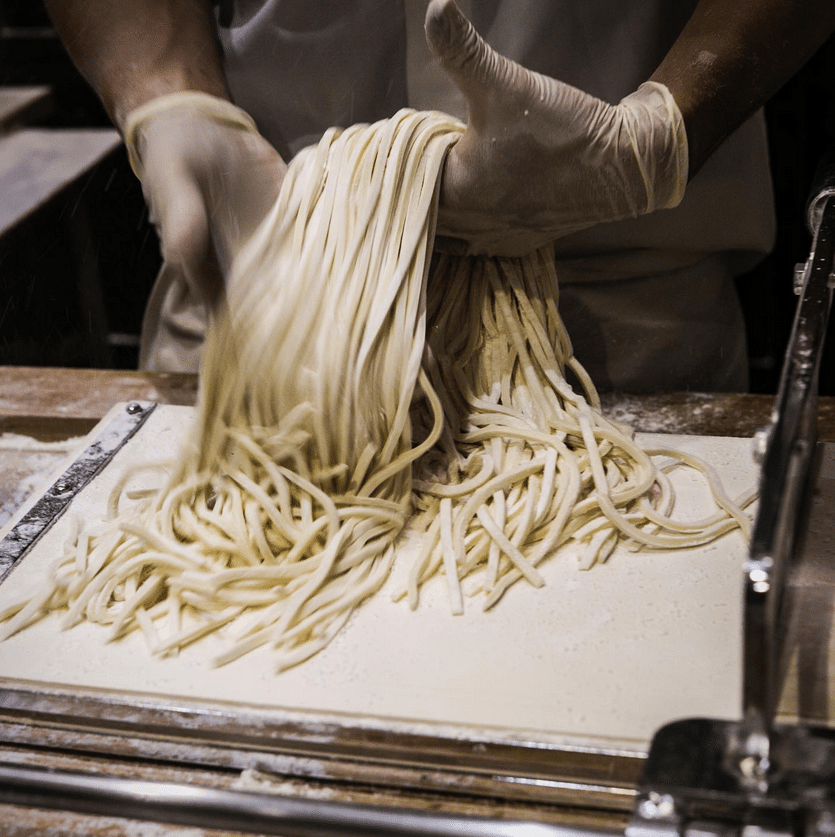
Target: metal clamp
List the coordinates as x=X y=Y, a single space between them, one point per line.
x=55 y=501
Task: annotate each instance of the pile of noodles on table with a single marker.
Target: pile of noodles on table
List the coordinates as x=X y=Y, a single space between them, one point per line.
x=328 y=418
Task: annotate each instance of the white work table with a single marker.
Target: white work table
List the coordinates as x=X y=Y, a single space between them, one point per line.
x=43 y=415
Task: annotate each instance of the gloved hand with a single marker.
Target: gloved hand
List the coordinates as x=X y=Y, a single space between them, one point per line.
x=540 y=159
x=209 y=178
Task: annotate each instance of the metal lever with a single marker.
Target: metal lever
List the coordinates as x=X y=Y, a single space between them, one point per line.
x=712 y=778
x=823 y=188
x=786 y=464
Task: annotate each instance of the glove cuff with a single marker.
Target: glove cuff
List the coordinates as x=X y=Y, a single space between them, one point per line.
x=212 y=107
x=662 y=149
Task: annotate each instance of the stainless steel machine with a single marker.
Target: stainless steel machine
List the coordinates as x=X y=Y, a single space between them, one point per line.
x=758 y=776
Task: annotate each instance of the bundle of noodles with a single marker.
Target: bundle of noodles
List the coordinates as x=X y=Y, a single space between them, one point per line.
x=526 y=463
x=282 y=513
x=281 y=516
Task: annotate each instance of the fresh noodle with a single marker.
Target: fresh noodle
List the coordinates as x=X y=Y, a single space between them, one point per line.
x=337 y=365
x=531 y=451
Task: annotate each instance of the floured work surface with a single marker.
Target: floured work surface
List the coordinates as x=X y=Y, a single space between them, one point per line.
x=598 y=658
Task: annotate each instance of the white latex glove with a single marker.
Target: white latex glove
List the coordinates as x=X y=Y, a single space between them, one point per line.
x=540 y=159
x=209 y=178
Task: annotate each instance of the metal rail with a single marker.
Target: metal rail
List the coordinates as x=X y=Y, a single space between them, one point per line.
x=262 y=813
x=789 y=449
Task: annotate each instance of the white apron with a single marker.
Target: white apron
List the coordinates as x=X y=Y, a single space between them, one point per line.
x=650 y=302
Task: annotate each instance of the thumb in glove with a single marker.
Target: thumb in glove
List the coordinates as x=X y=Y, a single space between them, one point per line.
x=540 y=159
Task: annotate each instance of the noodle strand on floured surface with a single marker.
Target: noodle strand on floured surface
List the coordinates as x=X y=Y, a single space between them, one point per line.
x=527 y=449
x=333 y=349
x=282 y=513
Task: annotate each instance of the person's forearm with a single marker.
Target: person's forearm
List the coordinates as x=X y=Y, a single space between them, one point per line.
x=132 y=51
x=732 y=56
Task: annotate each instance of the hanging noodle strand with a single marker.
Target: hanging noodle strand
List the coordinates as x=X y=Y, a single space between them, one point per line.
x=338 y=365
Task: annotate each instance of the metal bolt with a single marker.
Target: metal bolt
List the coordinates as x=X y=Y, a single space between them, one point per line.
x=657 y=806
x=62 y=487
x=760 y=583
x=133 y=408
x=760 y=445
x=822 y=823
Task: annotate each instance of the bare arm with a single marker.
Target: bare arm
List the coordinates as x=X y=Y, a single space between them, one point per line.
x=734 y=55
x=208 y=179
x=132 y=51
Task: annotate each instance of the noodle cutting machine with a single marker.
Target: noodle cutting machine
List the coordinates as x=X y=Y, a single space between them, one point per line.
x=757 y=776
x=702 y=777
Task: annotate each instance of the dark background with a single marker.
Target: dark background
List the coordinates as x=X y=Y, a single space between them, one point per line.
x=98 y=226
x=44 y=322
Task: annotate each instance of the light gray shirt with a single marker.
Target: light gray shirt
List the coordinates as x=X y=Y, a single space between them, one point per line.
x=302 y=66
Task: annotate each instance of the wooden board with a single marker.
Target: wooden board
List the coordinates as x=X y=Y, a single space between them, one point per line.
x=22 y=105
x=75 y=395
x=37 y=164
x=602 y=657
x=67 y=395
